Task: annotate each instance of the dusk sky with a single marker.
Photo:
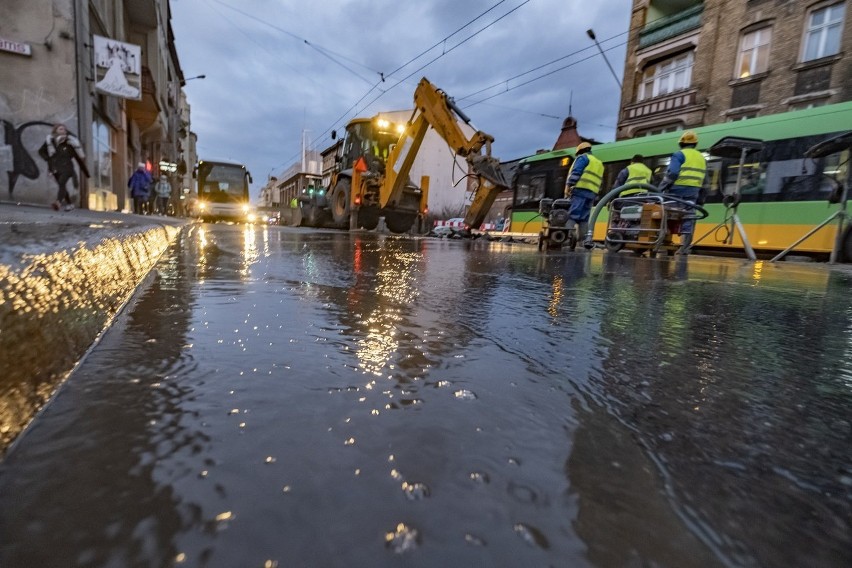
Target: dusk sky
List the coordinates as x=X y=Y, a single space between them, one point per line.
x=280 y=71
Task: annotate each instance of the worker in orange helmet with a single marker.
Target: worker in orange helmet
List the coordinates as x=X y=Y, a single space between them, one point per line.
x=582 y=186
x=684 y=179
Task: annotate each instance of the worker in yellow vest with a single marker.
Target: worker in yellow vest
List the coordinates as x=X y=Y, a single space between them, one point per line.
x=582 y=186
x=684 y=179
x=635 y=172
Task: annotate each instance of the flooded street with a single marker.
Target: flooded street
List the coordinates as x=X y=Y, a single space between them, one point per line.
x=280 y=397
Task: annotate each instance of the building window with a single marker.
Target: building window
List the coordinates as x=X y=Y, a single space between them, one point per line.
x=742 y=116
x=754 y=53
x=809 y=104
x=660 y=130
x=101 y=155
x=822 y=37
x=667 y=76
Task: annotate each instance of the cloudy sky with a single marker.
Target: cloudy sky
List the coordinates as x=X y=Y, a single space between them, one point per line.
x=278 y=71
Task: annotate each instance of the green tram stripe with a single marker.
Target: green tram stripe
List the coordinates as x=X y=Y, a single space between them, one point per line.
x=794 y=124
x=784 y=213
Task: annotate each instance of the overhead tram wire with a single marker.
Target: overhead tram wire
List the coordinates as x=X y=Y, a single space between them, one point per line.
x=260 y=45
x=321 y=50
x=322 y=137
x=447 y=51
x=534 y=79
x=495 y=85
x=385 y=77
x=483 y=101
x=427 y=50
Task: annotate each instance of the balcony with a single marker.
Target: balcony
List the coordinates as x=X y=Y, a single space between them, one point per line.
x=142 y=13
x=671 y=103
x=145 y=111
x=671 y=26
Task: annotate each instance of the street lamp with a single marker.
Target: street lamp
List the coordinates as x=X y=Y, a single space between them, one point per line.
x=183 y=82
x=591 y=35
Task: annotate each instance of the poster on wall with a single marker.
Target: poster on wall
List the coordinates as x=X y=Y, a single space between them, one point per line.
x=118 y=68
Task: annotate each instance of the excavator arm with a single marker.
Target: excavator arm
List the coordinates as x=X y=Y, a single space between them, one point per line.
x=434 y=108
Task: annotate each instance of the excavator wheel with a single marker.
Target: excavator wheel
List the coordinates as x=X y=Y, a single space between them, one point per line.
x=368 y=218
x=312 y=216
x=339 y=200
x=399 y=222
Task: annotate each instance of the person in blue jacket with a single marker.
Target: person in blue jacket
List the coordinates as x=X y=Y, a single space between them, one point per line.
x=582 y=186
x=684 y=179
x=140 y=184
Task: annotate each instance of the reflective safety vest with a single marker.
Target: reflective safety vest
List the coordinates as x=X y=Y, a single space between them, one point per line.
x=693 y=170
x=592 y=175
x=637 y=173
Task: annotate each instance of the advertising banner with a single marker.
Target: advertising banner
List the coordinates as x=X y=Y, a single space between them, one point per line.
x=118 y=68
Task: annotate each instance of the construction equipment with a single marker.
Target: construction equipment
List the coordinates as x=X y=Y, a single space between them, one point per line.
x=645 y=222
x=371 y=179
x=554 y=228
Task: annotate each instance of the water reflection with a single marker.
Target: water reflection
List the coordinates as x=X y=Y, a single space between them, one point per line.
x=52 y=307
x=333 y=398
x=85 y=477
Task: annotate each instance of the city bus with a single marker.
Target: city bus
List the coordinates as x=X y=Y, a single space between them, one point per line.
x=782 y=194
x=223 y=191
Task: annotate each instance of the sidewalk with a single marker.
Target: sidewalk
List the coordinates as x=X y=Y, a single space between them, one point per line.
x=63 y=277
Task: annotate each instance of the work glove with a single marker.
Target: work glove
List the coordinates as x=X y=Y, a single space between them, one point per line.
x=568 y=190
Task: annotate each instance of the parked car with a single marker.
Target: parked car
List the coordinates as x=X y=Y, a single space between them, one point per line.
x=449 y=227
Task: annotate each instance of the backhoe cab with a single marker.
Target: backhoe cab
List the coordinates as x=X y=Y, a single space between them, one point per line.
x=374 y=163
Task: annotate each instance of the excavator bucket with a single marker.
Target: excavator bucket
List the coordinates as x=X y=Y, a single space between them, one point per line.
x=491 y=183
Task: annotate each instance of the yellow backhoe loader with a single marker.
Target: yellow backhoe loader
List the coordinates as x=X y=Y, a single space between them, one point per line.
x=374 y=161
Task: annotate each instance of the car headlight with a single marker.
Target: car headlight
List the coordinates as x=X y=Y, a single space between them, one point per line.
x=245 y=209
x=251 y=217
x=202 y=206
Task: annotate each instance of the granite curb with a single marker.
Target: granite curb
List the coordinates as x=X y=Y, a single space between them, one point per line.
x=63 y=277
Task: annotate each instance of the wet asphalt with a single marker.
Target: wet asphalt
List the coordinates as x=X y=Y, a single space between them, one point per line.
x=280 y=397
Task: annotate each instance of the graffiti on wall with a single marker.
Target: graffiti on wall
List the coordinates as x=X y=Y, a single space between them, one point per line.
x=25 y=161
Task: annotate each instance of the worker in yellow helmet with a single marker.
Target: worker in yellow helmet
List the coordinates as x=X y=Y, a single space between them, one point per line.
x=582 y=186
x=684 y=179
x=635 y=172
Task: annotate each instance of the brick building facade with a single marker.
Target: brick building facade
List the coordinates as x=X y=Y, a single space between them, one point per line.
x=691 y=63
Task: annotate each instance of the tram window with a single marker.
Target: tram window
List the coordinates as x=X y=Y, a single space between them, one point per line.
x=658 y=168
x=531 y=188
x=752 y=183
x=714 y=185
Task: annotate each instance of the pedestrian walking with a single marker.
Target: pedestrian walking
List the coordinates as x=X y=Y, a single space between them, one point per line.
x=164 y=192
x=582 y=186
x=635 y=172
x=62 y=150
x=684 y=179
x=139 y=184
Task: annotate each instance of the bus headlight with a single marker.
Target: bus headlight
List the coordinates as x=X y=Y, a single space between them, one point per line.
x=246 y=209
x=202 y=206
x=251 y=217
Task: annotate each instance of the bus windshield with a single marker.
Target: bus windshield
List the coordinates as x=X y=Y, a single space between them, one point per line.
x=222 y=183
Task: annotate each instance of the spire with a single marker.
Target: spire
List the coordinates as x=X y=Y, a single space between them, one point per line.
x=568 y=137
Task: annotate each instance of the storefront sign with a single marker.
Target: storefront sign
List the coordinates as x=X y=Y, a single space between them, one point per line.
x=118 y=68
x=15 y=47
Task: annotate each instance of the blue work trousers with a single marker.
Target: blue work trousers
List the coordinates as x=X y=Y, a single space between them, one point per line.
x=688 y=194
x=581 y=205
